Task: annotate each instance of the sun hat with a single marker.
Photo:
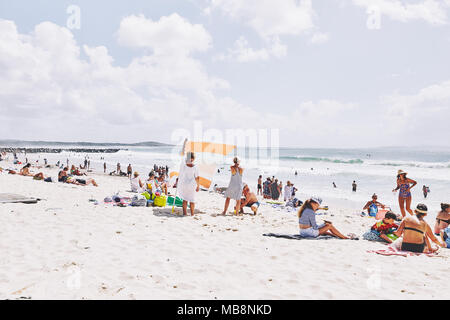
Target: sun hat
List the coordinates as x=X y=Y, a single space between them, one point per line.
x=316 y=199
x=421 y=208
x=401 y=172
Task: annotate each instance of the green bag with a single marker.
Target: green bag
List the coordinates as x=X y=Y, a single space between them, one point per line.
x=178 y=202
x=148 y=196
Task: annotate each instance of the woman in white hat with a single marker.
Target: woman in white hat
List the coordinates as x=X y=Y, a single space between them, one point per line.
x=404 y=196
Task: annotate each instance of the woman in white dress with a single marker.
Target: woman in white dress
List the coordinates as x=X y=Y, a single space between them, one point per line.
x=234 y=190
x=188 y=183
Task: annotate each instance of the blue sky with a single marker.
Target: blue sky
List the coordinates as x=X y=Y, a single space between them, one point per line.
x=312 y=69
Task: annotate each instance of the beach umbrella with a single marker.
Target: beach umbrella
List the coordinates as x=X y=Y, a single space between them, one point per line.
x=206 y=169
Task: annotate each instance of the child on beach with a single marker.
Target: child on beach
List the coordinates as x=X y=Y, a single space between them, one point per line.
x=383 y=229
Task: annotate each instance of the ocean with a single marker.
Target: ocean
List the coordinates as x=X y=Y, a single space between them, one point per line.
x=373 y=169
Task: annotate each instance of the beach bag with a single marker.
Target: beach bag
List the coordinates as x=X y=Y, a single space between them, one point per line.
x=380 y=214
x=148 y=196
x=178 y=201
x=160 y=201
x=139 y=201
x=49 y=179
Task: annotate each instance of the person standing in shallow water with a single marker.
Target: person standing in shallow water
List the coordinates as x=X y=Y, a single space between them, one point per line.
x=405 y=185
x=234 y=190
x=354 y=185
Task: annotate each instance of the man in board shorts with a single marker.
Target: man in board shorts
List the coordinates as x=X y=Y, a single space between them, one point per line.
x=250 y=200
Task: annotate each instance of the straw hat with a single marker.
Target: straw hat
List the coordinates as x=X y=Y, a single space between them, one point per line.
x=401 y=172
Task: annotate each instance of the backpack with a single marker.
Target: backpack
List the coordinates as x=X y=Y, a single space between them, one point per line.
x=139 y=201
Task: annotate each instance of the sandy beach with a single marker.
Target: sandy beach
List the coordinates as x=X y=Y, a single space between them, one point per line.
x=66 y=247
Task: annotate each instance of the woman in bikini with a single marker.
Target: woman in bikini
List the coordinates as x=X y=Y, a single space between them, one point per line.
x=404 y=196
x=442 y=219
x=417 y=233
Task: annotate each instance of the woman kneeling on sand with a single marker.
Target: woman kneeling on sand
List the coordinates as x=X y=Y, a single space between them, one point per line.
x=307 y=222
x=417 y=232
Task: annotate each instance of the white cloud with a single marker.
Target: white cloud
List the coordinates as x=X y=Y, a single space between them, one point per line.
x=270 y=20
x=48 y=85
x=319 y=38
x=242 y=52
x=169 y=35
x=431 y=11
x=423 y=115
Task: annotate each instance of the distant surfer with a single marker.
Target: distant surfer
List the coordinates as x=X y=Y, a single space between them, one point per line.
x=354 y=185
x=334 y=185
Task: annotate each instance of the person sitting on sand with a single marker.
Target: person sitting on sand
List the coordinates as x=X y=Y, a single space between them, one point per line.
x=136 y=183
x=416 y=232
x=307 y=221
x=250 y=200
x=383 y=229
x=445 y=236
x=162 y=183
x=74 y=171
x=153 y=184
x=372 y=206
x=442 y=218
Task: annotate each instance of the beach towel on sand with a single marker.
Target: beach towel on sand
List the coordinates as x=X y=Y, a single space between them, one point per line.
x=392 y=251
x=295 y=236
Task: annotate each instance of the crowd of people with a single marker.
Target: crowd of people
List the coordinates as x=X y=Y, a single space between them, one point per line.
x=409 y=229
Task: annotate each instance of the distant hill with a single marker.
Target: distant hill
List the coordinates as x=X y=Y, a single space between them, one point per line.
x=21 y=143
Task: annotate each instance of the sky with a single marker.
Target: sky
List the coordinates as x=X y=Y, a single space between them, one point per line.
x=324 y=73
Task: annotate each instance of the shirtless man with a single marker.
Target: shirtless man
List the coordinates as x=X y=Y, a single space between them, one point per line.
x=250 y=200
x=259 y=191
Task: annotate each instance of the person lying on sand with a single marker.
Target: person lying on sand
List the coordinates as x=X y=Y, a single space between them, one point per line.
x=250 y=200
x=62 y=175
x=25 y=171
x=417 y=233
x=383 y=229
x=372 y=206
x=307 y=222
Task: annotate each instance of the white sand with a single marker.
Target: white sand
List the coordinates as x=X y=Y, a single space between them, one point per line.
x=68 y=248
